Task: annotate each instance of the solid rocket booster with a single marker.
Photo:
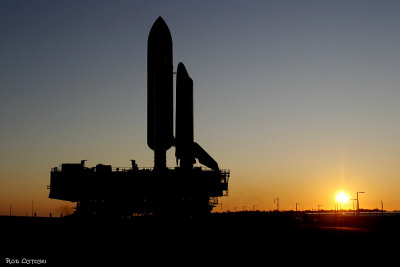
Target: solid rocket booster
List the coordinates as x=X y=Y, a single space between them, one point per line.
x=184 y=118
x=159 y=92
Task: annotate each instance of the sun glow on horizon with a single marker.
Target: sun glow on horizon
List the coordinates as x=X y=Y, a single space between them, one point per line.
x=342 y=197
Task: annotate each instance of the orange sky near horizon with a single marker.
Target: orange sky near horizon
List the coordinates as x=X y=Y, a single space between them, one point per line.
x=249 y=185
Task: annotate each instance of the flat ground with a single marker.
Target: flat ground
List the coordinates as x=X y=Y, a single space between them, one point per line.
x=218 y=239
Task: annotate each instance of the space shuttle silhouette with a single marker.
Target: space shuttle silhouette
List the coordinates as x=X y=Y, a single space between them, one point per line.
x=104 y=191
x=160 y=104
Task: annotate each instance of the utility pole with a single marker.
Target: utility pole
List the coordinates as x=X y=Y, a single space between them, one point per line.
x=296 y=206
x=354 y=199
x=358 y=202
x=276 y=200
x=382 y=206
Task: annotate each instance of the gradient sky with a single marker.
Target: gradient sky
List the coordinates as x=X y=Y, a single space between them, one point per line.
x=299 y=99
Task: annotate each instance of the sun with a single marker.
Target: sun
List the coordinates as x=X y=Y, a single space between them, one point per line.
x=342 y=197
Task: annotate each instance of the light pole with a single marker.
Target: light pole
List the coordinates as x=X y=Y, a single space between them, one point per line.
x=296 y=206
x=358 y=202
x=276 y=200
x=353 y=201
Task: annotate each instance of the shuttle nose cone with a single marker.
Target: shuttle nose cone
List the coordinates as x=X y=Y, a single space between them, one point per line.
x=159 y=32
x=182 y=70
